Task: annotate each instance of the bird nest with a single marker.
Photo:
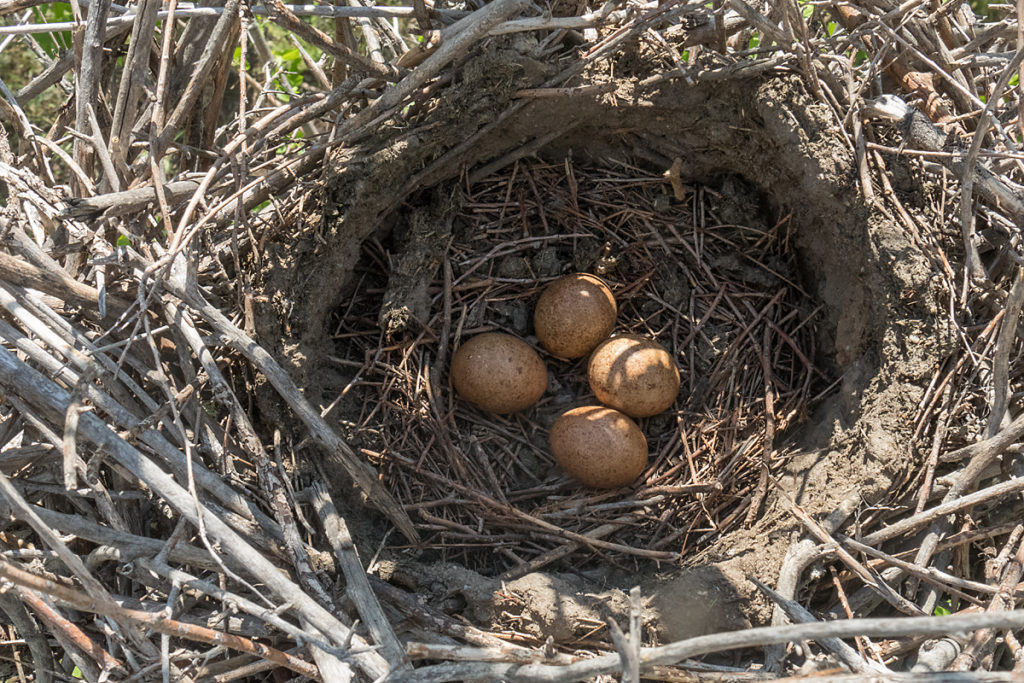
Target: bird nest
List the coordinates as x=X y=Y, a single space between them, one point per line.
x=706 y=271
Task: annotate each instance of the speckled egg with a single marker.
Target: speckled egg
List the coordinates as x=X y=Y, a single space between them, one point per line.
x=574 y=314
x=499 y=373
x=598 y=446
x=633 y=374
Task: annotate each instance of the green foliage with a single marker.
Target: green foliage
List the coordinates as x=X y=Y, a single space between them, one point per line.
x=58 y=11
x=293 y=67
x=293 y=64
x=124 y=241
x=755 y=40
x=18 y=65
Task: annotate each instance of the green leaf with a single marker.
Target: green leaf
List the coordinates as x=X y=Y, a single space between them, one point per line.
x=123 y=241
x=53 y=13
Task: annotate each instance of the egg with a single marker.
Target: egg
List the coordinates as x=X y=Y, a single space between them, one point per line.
x=499 y=373
x=598 y=446
x=633 y=374
x=574 y=314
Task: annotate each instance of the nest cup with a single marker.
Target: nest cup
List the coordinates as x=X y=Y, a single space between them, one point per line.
x=712 y=247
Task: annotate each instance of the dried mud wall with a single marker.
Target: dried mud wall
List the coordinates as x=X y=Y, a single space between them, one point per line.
x=880 y=330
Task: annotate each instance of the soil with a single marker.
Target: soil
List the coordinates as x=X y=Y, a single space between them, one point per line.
x=763 y=143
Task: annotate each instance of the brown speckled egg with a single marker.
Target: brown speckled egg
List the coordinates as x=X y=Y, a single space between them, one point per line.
x=499 y=373
x=574 y=314
x=634 y=375
x=598 y=446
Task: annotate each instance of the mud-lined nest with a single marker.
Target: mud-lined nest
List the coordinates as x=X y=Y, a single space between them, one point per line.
x=710 y=276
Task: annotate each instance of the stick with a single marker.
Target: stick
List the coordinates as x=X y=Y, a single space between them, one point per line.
x=362 y=473
x=357 y=585
x=280 y=13
x=25 y=625
x=47 y=397
x=718 y=642
x=914 y=521
x=887 y=592
x=629 y=658
x=981 y=643
x=57 y=283
x=128 y=201
x=799 y=614
x=156 y=621
x=69 y=631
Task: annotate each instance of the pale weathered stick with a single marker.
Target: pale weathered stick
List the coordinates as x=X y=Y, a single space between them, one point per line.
x=253 y=447
x=973 y=267
x=629 y=658
x=357 y=586
x=799 y=614
x=133 y=79
x=87 y=88
x=887 y=592
x=129 y=546
x=128 y=201
x=280 y=13
x=51 y=400
x=157 y=566
x=982 y=641
x=22 y=511
x=57 y=283
x=1001 y=356
x=799 y=556
x=901 y=527
x=468 y=32
x=201 y=72
x=362 y=473
x=125 y=419
x=155 y=621
x=718 y=642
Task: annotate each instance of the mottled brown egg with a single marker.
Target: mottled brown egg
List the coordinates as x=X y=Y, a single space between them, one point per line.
x=499 y=373
x=598 y=446
x=634 y=375
x=574 y=314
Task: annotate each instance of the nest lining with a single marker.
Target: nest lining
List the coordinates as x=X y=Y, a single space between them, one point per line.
x=723 y=297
